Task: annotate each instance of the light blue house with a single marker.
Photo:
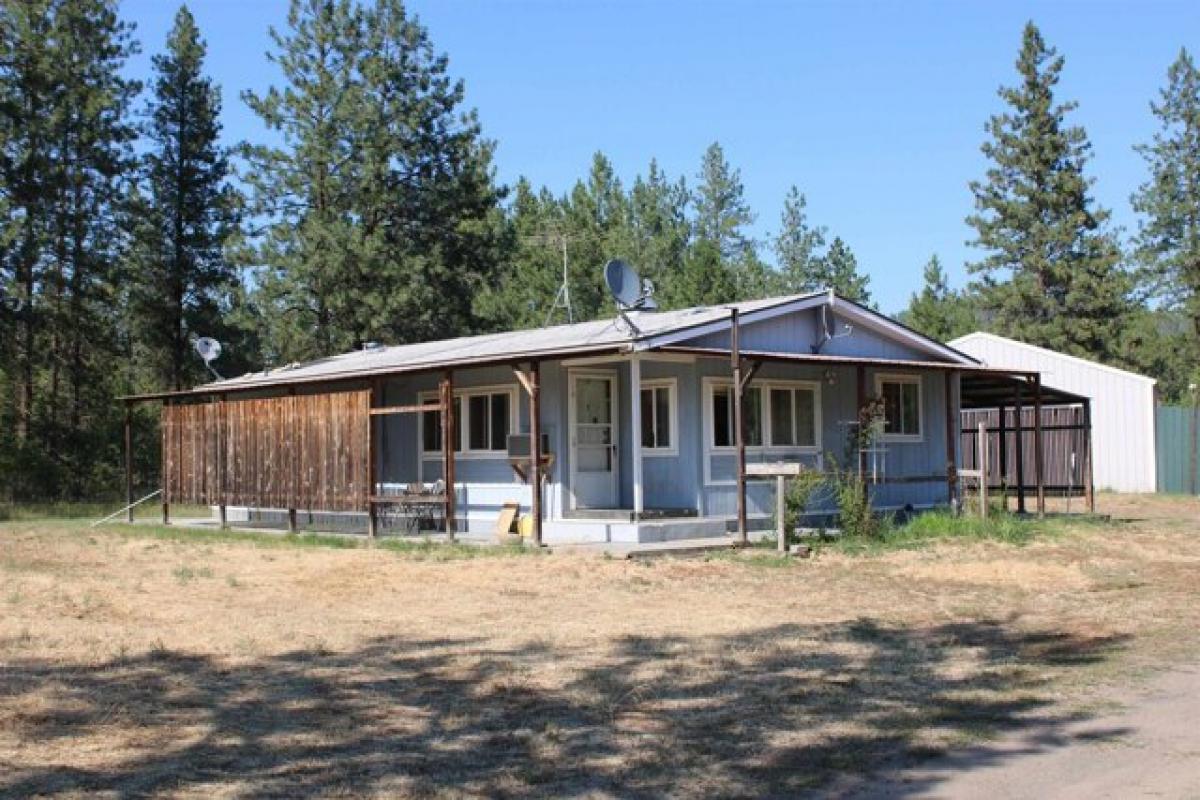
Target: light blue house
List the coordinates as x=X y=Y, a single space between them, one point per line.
x=638 y=414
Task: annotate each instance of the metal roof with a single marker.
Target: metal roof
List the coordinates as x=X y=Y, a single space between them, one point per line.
x=650 y=328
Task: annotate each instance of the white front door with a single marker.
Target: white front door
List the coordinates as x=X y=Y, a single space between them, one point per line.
x=594 y=439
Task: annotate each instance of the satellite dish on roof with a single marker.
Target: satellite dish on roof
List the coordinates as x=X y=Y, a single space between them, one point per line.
x=623 y=283
x=208 y=349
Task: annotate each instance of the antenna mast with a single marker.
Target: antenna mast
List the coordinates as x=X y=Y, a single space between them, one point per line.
x=563 y=298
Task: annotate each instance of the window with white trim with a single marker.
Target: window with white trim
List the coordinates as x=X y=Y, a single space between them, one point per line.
x=483 y=420
x=784 y=414
x=658 y=413
x=901 y=395
x=793 y=414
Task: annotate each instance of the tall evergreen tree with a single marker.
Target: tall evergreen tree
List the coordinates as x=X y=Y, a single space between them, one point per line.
x=838 y=270
x=721 y=217
x=937 y=310
x=1168 y=238
x=1051 y=274
x=182 y=281
x=383 y=207
x=799 y=247
x=66 y=141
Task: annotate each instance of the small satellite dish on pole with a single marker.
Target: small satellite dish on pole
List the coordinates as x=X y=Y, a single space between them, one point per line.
x=208 y=349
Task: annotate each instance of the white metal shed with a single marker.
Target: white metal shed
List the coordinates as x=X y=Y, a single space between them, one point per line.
x=1122 y=405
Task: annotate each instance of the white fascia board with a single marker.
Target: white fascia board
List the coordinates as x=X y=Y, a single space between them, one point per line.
x=723 y=323
x=1004 y=340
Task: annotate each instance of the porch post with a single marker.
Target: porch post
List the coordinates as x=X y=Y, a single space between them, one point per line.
x=1019 y=423
x=1037 y=444
x=1089 y=475
x=861 y=376
x=447 y=397
x=635 y=425
x=129 y=461
x=739 y=438
x=953 y=424
x=535 y=448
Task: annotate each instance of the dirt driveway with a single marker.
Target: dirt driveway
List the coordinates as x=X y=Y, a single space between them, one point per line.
x=138 y=665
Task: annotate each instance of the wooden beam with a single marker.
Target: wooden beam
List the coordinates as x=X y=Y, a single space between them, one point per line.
x=166 y=482
x=739 y=437
x=749 y=374
x=1037 y=445
x=416 y=408
x=129 y=461
x=524 y=378
x=951 y=441
x=447 y=395
x=1019 y=424
x=535 y=449
x=1089 y=473
x=294 y=483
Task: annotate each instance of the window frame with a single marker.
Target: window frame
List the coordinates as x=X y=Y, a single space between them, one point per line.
x=463 y=421
x=670 y=384
x=903 y=379
x=764 y=386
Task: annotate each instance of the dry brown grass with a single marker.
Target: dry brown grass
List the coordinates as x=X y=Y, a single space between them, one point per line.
x=132 y=666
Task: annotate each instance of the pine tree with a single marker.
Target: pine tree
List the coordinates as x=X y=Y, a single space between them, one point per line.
x=1168 y=238
x=182 y=281
x=66 y=141
x=661 y=232
x=938 y=311
x=721 y=216
x=385 y=218
x=838 y=270
x=798 y=247
x=1051 y=274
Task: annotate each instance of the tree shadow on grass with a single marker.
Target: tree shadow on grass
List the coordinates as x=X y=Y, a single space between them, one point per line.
x=775 y=711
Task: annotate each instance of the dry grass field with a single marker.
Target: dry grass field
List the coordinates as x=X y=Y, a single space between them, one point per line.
x=135 y=663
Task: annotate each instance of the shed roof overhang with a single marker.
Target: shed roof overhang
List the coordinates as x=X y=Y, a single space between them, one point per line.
x=986 y=388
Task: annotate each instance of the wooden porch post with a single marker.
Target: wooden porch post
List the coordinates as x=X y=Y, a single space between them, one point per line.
x=448 y=425
x=1089 y=473
x=1018 y=415
x=953 y=424
x=739 y=437
x=372 y=468
x=129 y=461
x=861 y=377
x=1037 y=444
x=535 y=448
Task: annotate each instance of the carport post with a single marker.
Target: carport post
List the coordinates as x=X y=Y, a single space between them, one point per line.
x=1037 y=444
x=1003 y=455
x=1018 y=414
x=128 y=461
x=1089 y=476
x=952 y=427
x=535 y=448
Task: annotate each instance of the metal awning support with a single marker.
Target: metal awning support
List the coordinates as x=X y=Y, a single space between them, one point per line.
x=531 y=382
x=446 y=393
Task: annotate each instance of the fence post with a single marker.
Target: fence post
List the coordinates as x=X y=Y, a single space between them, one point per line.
x=983 y=471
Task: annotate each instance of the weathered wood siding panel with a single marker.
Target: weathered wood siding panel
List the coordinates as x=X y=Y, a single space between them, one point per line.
x=304 y=451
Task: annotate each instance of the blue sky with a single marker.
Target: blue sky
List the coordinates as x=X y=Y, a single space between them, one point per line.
x=875 y=110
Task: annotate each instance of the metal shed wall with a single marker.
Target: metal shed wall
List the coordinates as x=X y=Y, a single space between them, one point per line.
x=1122 y=405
